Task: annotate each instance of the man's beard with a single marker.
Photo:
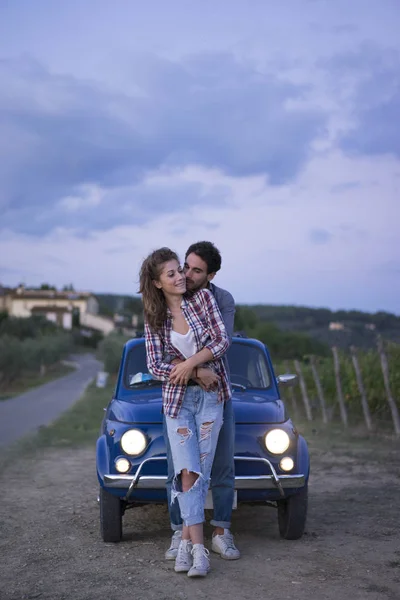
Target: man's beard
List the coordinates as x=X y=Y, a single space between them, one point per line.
x=198 y=287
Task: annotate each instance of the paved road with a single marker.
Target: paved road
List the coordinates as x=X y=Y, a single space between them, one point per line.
x=24 y=414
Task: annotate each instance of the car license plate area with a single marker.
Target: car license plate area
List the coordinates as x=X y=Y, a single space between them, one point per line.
x=209 y=501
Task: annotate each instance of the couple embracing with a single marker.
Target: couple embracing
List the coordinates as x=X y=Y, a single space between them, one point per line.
x=188 y=329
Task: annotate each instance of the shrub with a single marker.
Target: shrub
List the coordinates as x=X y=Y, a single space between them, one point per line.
x=371 y=371
x=20 y=356
x=110 y=350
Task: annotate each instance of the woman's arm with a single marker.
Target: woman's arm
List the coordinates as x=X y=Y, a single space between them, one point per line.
x=154 y=355
x=215 y=348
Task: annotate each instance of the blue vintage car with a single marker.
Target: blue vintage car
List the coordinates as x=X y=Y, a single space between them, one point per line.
x=271 y=459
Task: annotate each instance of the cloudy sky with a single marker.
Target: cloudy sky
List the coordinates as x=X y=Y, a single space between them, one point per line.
x=270 y=128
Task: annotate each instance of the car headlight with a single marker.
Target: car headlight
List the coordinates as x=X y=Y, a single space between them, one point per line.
x=286 y=463
x=133 y=442
x=122 y=465
x=277 y=441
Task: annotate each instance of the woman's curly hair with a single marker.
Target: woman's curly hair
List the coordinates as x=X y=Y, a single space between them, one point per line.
x=154 y=304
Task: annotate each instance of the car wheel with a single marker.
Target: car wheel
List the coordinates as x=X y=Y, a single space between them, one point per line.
x=110 y=517
x=292 y=515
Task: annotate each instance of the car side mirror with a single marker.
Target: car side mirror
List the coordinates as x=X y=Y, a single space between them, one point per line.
x=288 y=379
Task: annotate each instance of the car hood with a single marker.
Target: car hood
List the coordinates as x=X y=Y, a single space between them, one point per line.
x=256 y=408
x=248 y=407
x=147 y=409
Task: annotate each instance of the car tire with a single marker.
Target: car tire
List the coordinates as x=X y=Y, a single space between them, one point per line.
x=110 y=517
x=292 y=515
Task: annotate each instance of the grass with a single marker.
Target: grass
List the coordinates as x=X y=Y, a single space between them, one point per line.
x=334 y=437
x=32 y=380
x=80 y=425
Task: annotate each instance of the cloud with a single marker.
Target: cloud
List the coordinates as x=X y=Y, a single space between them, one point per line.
x=373 y=76
x=376 y=131
x=320 y=236
x=263 y=233
x=93 y=208
x=62 y=133
x=338 y=188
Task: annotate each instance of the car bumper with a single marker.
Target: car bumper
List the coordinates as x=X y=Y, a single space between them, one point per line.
x=242 y=482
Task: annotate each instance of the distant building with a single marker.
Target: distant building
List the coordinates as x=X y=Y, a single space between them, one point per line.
x=370 y=326
x=5 y=298
x=58 y=307
x=336 y=326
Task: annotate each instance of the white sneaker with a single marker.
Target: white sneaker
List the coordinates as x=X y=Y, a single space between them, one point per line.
x=184 y=559
x=173 y=549
x=225 y=546
x=201 y=562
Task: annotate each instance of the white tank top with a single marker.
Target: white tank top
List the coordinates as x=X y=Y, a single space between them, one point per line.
x=184 y=342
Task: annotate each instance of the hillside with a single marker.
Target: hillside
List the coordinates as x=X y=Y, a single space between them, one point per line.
x=341 y=328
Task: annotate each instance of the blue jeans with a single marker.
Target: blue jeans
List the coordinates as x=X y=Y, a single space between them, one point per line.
x=222 y=474
x=193 y=437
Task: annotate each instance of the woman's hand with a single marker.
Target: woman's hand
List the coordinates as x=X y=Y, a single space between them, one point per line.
x=181 y=373
x=207 y=379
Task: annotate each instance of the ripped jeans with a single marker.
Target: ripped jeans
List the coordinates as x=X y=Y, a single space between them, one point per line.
x=193 y=437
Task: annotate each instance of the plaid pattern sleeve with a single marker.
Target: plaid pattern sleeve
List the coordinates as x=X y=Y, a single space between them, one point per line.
x=218 y=343
x=154 y=352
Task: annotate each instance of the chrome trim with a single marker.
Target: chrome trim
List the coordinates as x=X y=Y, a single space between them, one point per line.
x=273 y=477
x=137 y=477
x=287 y=379
x=242 y=482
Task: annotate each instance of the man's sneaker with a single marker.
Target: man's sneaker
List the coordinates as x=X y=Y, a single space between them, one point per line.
x=225 y=546
x=184 y=559
x=201 y=562
x=173 y=549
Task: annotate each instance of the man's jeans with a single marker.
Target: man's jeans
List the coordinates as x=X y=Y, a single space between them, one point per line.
x=193 y=437
x=222 y=474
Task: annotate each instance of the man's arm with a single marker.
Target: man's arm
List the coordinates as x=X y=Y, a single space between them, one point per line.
x=226 y=305
x=228 y=311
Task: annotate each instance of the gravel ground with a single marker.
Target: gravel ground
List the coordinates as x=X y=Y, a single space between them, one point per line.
x=51 y=547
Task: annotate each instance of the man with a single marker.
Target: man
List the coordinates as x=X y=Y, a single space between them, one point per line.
x=202 y=262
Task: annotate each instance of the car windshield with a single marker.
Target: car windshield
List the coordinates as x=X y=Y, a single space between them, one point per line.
x=247 y=363
x=248 y=366
x=136 y=373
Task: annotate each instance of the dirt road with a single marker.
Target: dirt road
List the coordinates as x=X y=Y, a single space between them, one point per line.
x=51 y=549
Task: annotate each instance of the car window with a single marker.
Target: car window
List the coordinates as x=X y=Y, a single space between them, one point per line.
x=136 y=372
x=248 y=366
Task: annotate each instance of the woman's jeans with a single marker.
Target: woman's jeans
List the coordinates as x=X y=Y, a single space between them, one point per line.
x=193 y=437
x=222 y=474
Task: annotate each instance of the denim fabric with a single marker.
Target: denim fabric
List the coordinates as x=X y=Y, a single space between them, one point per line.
x=222 y=474
x=223 y=471
x=201 y=416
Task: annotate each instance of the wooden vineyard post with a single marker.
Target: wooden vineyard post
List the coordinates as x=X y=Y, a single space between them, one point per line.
x=303 y=390
x=291 y=392
x=320 y=392
x=361 y=389
x=390 y=399
x=342 y=406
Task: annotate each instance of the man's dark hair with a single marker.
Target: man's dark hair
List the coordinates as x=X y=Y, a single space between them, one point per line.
x=207 y=252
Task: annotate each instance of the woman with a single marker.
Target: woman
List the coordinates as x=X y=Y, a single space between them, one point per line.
x=191 y=330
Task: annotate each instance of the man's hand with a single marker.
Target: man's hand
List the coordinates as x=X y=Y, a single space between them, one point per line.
x=207 y=379
x=181 y=373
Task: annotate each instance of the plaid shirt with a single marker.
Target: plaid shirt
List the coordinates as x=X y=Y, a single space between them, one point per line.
x=204 y=319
